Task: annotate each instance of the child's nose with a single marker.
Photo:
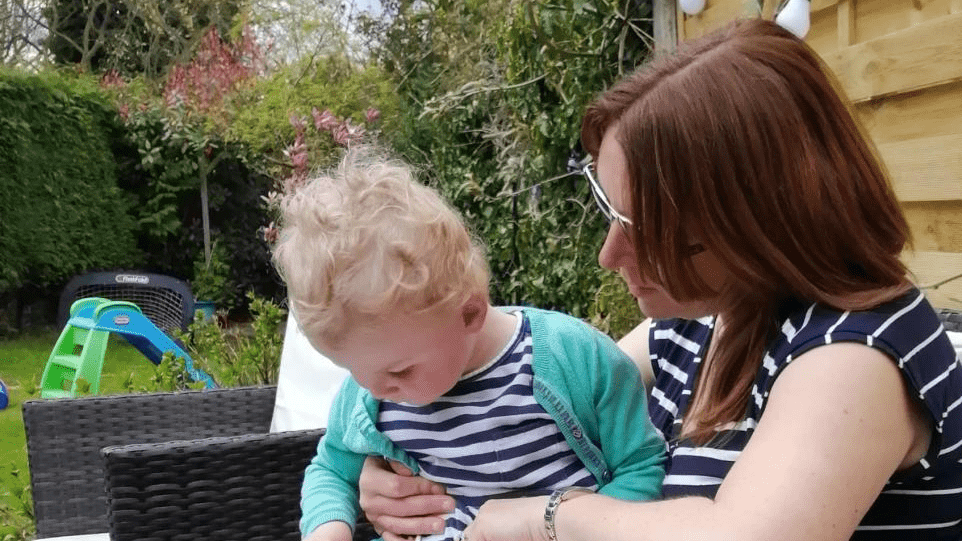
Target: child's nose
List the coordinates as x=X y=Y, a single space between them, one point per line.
x=385 y=388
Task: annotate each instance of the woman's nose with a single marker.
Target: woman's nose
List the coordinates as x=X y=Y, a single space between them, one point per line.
x=615 y=248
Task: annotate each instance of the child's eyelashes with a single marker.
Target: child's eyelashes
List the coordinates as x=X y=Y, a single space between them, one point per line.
x=403 y=372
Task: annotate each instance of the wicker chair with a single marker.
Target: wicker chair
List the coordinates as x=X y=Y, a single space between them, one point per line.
x=228 y=488
x=231 y=480
x=65 y=438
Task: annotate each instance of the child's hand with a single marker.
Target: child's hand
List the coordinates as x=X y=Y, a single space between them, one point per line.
x=331 y=531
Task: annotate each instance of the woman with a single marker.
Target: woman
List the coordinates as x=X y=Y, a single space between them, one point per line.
x=805 y=387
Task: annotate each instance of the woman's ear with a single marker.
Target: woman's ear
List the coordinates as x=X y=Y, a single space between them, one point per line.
x=473 y=312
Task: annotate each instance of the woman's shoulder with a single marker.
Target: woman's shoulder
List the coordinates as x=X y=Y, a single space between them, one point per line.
x=907 y=329
x=899 y=327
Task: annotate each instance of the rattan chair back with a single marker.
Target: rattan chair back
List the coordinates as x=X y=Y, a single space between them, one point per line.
x=65 y=437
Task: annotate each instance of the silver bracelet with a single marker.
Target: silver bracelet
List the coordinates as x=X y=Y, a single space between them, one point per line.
x=554 y=501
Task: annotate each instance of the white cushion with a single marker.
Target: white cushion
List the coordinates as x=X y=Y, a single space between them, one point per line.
x=956 y=338
x=306 y=384
x=84 y=537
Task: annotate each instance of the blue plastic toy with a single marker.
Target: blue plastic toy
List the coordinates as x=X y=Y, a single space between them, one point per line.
x=4 y=397
x=78 y=357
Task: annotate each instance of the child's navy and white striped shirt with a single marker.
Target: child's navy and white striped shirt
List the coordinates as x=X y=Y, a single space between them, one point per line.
x=487 y=437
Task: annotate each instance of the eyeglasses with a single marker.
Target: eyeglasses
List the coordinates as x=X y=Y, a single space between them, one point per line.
x=601 y=199
x=609 y=212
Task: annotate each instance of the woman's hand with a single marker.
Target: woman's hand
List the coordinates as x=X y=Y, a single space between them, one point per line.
x=398 y=503
x=519 y=519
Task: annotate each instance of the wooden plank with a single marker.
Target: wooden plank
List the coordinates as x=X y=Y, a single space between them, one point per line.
x=936 y=225
x=665 y=15
x=931 y=112
x=846 y=23
x=716 y=14
x=922 y=56
x=931 y=268
x=768 y=9
x=925 y=169
x=819 y=5
x=823 y=33
x=878 y=18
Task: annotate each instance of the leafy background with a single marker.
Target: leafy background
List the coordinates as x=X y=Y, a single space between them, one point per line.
x=122 y=121
x=171 y=100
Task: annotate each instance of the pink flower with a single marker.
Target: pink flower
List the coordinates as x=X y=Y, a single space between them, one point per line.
x=372 y=115
x=299 y=157
x=272 y=199
x=297 y=152
x=346 y=133
x=297 y=122
x=325 y=121
x=112 y=79
x=271 y=233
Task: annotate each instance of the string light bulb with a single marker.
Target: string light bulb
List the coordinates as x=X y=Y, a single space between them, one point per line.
x=795 y=17
x=692 y=7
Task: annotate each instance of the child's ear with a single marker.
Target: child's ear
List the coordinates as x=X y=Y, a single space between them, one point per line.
x=473 y=312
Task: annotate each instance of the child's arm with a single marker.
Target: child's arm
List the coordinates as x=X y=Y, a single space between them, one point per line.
x=632 y=447
x=329 y=492
x=331 y=531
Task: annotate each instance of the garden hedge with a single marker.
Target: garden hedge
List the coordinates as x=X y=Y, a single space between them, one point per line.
x=61 y=211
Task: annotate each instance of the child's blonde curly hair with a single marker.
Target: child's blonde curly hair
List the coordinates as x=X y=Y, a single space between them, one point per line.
x=368 y=242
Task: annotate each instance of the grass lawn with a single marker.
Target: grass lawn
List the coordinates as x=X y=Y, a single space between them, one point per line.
x=22 y=360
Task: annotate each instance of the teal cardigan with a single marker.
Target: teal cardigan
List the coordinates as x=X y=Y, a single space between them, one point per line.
x=581 y=378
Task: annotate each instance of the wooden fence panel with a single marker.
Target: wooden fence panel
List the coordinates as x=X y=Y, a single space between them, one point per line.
x=900 y=62
x=936 y=225
x=925 y=169
x=929 y=113
x=919 y=57
x=933 y=268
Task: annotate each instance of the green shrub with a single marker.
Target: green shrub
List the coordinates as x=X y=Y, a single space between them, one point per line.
x=162 y=177
x=335 y=83
x=16 y=519
x=62 y=210
x=492 y=92
x=240 y=356
x=212 y=279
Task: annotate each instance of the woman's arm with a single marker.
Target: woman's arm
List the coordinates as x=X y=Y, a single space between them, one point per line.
x=838 y=423
x=635 y=344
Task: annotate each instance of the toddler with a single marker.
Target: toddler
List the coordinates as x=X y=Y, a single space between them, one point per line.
x=385 y=280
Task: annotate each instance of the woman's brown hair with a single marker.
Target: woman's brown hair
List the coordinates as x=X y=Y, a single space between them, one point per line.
x=741 y=141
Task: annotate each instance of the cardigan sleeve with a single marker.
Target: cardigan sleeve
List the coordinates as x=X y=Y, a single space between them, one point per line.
x=634 y=451
x=330 y=488
x=608 y=398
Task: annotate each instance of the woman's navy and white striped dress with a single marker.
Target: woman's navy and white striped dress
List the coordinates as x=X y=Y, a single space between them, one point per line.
x=922 y=502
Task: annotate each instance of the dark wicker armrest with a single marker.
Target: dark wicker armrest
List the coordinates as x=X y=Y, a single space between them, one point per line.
x=229 y=488
x=64 y=439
